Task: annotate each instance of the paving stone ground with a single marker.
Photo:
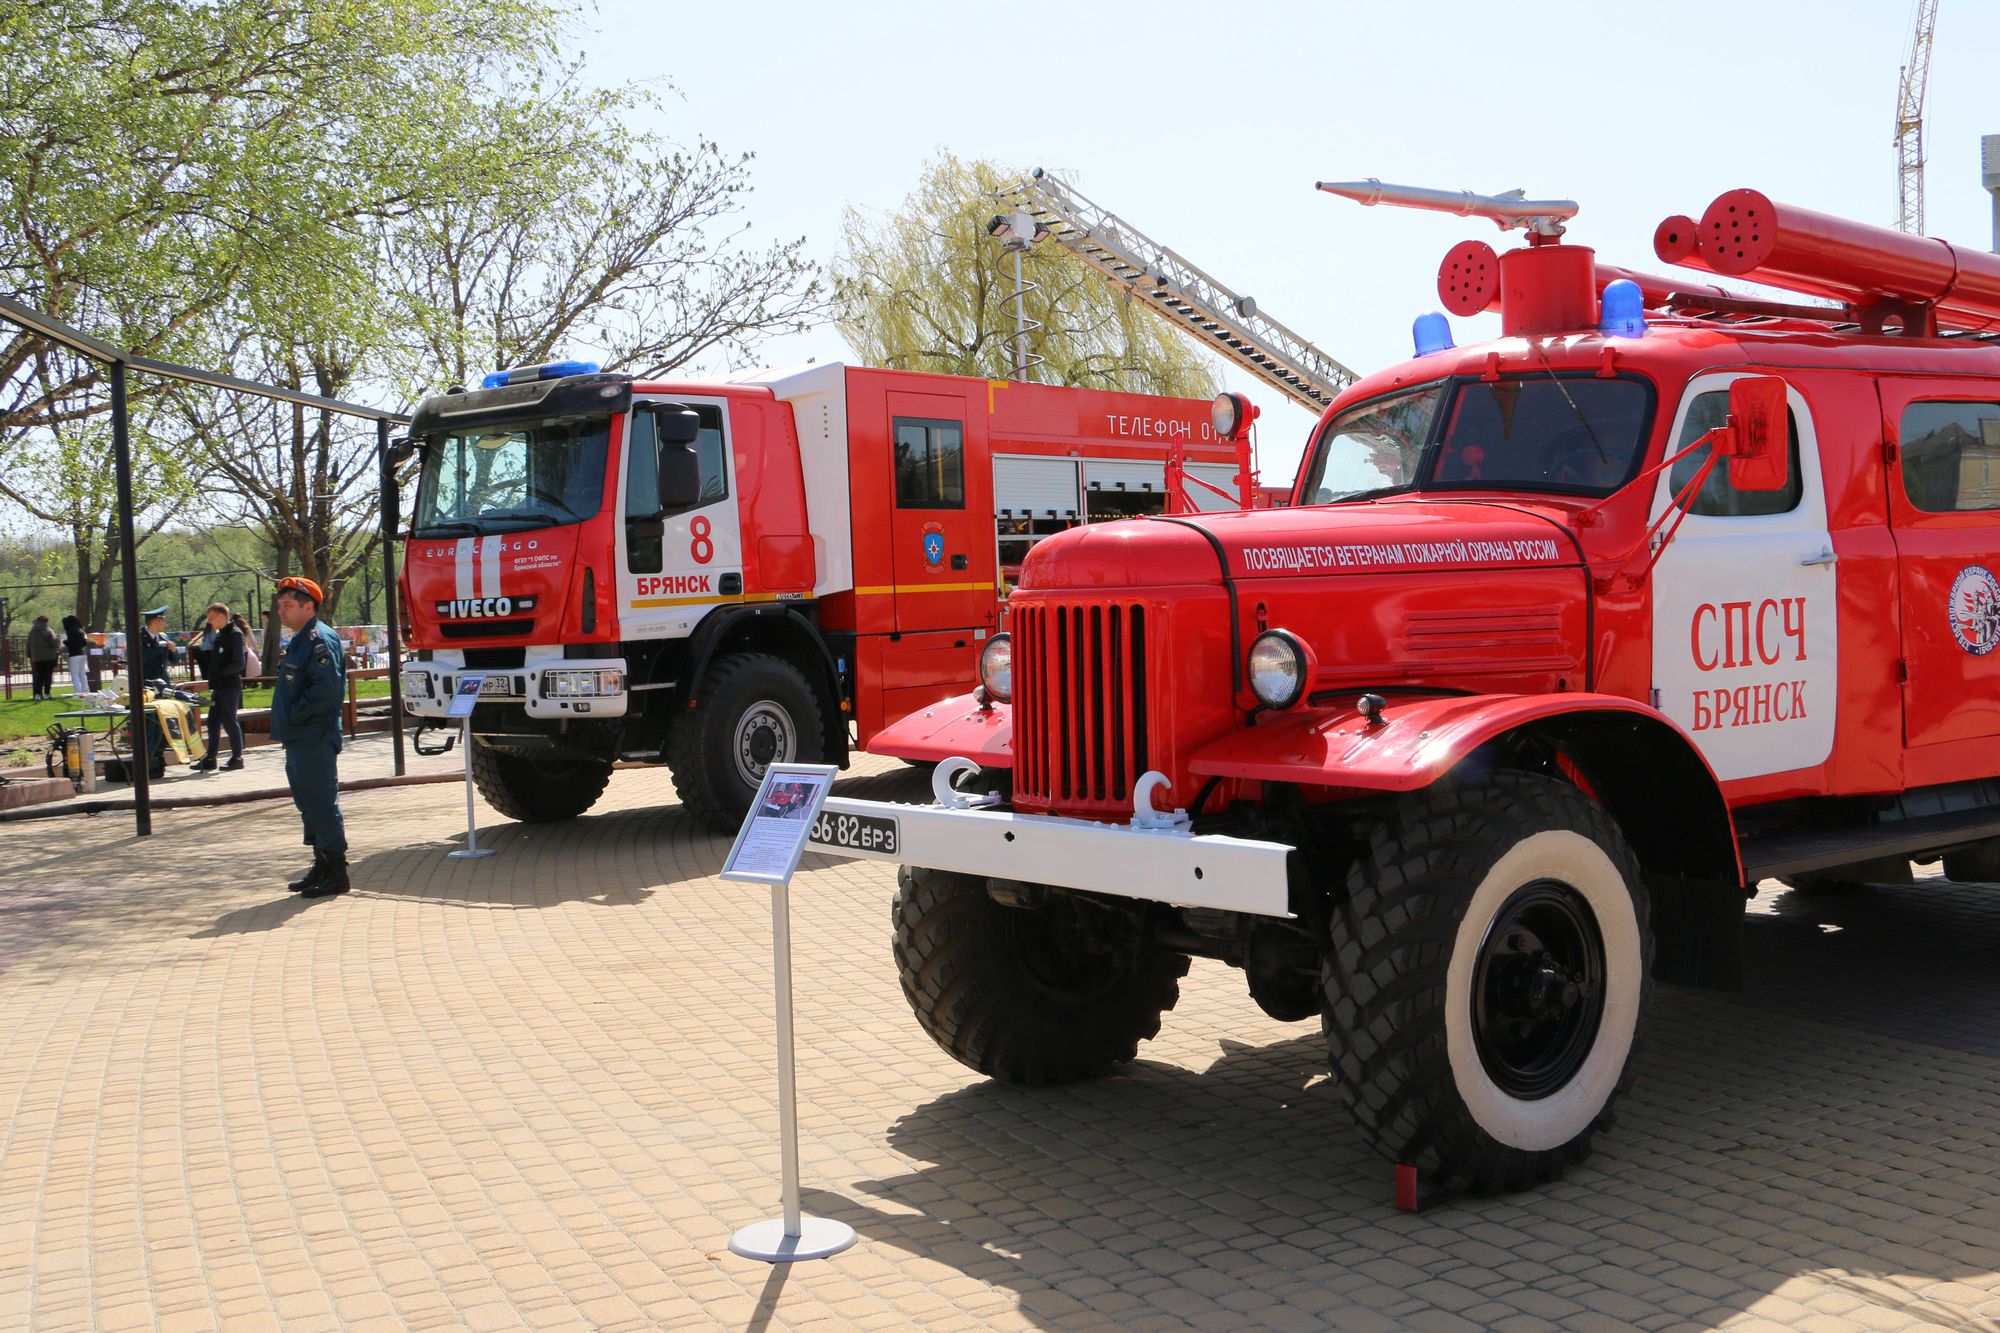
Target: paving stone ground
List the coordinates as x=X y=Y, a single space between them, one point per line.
x=537 y=1091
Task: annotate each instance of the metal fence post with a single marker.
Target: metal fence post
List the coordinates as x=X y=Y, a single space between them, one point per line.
x=391 y=519
x=128 y=560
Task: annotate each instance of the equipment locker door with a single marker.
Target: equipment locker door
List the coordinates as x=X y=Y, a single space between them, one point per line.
x=1745 y=629
x=1944 y=508
x=941 y=529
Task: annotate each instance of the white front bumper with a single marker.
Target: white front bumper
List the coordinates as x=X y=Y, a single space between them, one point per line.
x=1159 y=865
x=524 y=686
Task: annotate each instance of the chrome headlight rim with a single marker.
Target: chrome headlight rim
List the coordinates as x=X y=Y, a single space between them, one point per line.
x=1301 y=661
x=996 y=667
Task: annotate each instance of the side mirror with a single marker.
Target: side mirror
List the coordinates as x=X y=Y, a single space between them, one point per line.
x=1757 y=440
x=675 y=425
x=680 y=477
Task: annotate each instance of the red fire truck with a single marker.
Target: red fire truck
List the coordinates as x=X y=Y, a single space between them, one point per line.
x=721 y=575
x=1567 y=638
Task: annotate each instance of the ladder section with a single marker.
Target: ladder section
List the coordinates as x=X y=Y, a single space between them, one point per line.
x=1179 y=292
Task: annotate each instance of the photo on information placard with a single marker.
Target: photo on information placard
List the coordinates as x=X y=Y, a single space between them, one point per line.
x=788 y=800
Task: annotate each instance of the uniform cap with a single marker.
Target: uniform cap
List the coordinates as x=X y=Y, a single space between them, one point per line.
x=158 y=612
x=305 y=587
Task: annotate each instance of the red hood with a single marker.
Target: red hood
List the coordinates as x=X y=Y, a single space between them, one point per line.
x=1383 y=536
x=510 y=588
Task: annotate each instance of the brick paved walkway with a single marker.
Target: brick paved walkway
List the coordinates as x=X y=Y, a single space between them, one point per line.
x=537 y=1091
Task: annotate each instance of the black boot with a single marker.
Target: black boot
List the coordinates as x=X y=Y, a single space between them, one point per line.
x=332 y=878
x=311 y=877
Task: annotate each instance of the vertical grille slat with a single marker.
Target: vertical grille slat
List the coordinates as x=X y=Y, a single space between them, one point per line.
x=1080 y=706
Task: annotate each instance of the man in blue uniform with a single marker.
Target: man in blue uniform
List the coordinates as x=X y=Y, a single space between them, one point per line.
x=305 y=716
x=155 y=650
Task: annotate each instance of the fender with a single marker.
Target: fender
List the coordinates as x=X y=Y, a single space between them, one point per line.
x=958 y=726
x=715 y=627
x=1644 y=756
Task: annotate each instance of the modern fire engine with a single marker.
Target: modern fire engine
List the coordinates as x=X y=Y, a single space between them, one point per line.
x=1567 y=638
x=717 y=576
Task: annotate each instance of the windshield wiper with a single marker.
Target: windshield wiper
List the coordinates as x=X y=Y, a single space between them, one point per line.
x=1374 y=494
x=446 y=527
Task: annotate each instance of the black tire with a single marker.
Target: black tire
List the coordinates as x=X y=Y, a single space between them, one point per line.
x=537 y=791
x=1977 y=864
x=754 y=710
x=1487 y=975
x=1014 y=992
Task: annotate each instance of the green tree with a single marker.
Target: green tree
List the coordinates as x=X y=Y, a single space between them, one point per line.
x=926 y=288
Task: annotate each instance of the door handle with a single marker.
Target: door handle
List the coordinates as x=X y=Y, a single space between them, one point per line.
x=1824 y=559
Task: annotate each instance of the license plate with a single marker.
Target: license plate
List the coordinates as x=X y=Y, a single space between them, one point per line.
x=860 y=833
x=497 y=685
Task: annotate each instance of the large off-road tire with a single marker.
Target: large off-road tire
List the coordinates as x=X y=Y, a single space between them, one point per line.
x=1025 y=995
x=1485 y=981
x=754 y=710
x=537 y=791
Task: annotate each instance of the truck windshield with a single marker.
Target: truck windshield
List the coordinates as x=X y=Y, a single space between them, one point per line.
x=1576 y=434
x=512 y=476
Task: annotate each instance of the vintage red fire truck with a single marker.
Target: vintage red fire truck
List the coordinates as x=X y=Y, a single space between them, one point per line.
x=721 y=575
x=1568 y=637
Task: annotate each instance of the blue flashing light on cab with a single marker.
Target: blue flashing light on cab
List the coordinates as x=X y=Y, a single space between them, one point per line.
x=1622 y=312
x=548 y=370
x=1432 y=333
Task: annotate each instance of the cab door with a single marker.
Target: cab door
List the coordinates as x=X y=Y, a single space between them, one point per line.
x=941 y=527
x=1745 y=619
x=678 y=563
x=1944 y=512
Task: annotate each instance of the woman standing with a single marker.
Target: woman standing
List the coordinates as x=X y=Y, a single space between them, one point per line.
x=44 y=650
x=78 y=649
x=221 y=659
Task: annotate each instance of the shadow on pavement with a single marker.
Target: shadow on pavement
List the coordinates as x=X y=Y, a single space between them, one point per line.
x=1769 y=1136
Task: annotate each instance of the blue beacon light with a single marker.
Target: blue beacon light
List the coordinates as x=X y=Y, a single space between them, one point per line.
x=1622 y=313
x=550 y=370
x=1432 y=333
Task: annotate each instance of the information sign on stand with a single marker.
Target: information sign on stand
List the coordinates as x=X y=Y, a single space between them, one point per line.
x=767 y=851
x=463 y=698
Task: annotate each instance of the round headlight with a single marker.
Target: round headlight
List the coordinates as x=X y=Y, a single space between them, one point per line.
x=1279 y=668
x=996 y=667
x=1231 y=415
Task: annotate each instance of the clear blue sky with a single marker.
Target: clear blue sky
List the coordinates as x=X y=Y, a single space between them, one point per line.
x=1206 y=124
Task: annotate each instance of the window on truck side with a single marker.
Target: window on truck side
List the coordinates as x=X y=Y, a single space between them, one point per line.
x=930 y=463
x=1717 y=498
x=1951 y=456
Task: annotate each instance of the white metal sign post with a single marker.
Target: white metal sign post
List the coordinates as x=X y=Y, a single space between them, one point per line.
x=767 y=851
x=462 y=700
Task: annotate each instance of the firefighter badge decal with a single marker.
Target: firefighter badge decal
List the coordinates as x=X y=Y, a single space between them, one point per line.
x=1975 y=610
x=934 y=545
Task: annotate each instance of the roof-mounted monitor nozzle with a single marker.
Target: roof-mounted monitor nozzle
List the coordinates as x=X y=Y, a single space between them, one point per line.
x=1542 y=219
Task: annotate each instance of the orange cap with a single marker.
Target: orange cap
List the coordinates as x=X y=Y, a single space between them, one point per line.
x=305 y=586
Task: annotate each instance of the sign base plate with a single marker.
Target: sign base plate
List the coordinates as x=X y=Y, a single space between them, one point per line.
x=818 y=1238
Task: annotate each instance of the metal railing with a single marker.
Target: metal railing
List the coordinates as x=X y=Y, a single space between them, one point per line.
x=120 y=362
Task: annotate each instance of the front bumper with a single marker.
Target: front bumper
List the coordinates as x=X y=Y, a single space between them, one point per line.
x=428 y=687
x=1156 y=864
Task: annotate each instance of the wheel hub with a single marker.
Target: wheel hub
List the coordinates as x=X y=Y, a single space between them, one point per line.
x=1538 y=990
x=764 y=736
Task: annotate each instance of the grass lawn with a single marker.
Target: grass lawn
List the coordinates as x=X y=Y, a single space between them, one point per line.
x=23 y=723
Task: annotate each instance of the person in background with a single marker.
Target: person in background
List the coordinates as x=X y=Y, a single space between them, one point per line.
x=77 y=648
x=220 y=656
x=44 y=651
x=305 y=716
x=253 y=663
x=156 y=650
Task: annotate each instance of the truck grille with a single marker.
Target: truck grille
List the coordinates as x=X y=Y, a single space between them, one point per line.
x=1079 y=704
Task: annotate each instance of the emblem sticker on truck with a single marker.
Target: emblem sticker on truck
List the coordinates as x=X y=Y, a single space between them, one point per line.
x=1975 y=610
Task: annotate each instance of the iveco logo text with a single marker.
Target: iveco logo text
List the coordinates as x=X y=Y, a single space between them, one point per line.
x=484 y=608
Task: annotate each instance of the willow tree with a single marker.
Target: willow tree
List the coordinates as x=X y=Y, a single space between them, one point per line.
x=926 y=288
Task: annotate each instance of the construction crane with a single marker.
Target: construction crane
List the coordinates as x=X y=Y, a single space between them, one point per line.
x=1182 y=294
x=1910 y=122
